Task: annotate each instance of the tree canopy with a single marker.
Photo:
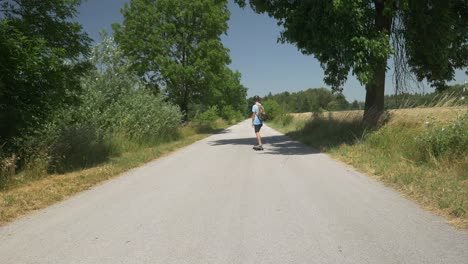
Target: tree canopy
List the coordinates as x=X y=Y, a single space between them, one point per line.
x=175 y=45
x=40 y=60
x=430 y=37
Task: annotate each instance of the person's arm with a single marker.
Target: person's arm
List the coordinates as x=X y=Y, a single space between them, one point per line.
x=254 y=112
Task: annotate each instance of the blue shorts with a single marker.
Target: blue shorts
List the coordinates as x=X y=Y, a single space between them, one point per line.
x=257 y=128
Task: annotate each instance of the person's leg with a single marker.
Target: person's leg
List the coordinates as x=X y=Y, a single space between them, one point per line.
x=259 y=138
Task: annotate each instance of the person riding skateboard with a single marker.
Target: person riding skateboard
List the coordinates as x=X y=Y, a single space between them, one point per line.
x=257 y=122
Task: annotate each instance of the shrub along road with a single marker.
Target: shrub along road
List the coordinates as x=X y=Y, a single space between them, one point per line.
x=218 y=201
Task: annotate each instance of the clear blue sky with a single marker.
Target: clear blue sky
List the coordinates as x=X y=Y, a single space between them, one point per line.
x=266 y=66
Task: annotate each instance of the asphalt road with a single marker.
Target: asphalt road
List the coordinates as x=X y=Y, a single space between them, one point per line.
x=218 y=201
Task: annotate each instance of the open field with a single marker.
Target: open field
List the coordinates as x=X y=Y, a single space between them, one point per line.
x=410 y=114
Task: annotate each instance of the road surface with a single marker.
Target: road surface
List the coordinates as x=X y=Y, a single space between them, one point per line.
x=218 y=201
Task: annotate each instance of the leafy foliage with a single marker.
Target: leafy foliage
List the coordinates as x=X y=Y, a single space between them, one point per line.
x=445 y=141
x=117 y=101
x=113 y=109
x=436 y=38
x=40 y=67
x=231 y=115
x=272 y=109
x=208 y=116
x=228 y=91
x=343 y=35
x=354 y=37
x=175 y=45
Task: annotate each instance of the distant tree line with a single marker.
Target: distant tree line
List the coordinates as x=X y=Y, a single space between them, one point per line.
x=310 y=100
x=322 y=99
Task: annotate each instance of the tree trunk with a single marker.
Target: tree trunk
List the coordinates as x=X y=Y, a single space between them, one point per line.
x=375 y=90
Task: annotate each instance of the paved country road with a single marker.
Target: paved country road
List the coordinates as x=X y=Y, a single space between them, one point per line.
x=218 y=201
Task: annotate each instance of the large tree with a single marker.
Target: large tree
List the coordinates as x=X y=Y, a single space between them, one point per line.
x=428 y=37
x=41 y=53
x=175 y=45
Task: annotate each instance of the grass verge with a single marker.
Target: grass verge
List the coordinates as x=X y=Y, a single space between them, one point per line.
x=30 y=195
x=423 y=153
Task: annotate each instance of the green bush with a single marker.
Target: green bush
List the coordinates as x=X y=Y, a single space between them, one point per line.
x=272 y=109
x=445 y=141
x=84 y=136
x=229 y=114
x=145 y=117
x=77 y=147
x=116 y=102
x=286 y=119
x=63 y=144
x=114 y=111
x=208 y=117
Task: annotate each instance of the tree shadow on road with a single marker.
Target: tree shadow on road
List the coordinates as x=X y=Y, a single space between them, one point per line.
x=273 y=145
